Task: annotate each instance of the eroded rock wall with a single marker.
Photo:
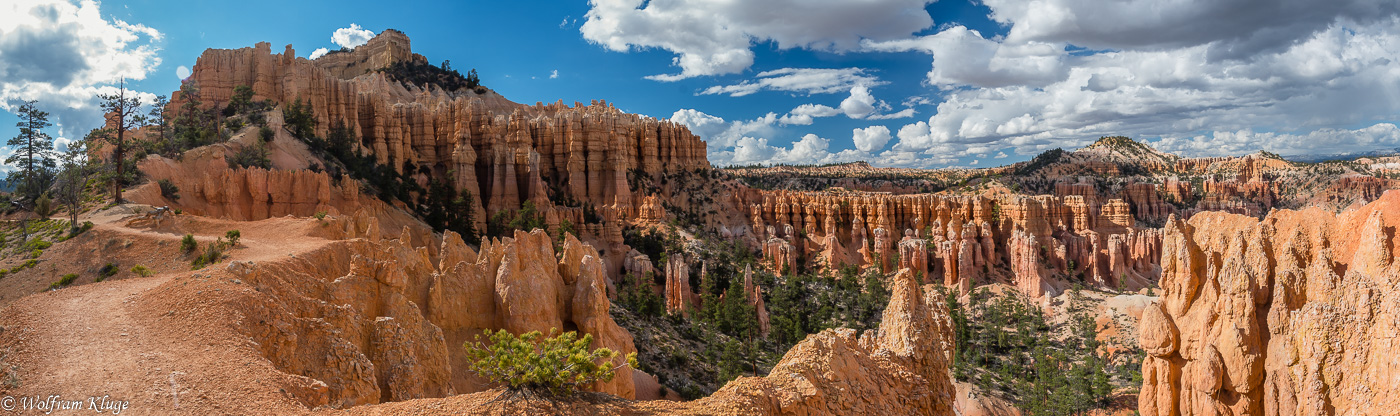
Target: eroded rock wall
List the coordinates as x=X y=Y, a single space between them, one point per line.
x=965 y=239
x=1294 y=314
x=502 y=152
x=369 y=321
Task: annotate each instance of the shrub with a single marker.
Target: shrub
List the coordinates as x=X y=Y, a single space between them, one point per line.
x=37 y=244
x=43 y=206
x=109 y=270
x=320 y=215
x=142 y=271
x=36 y=253
x=233 y=236
x=557 y=365
x=188 y=244
x=266 y=133
x=169 y=190
x=87 y=225
x=254 y=155
x=212 y=254
x=66 y=280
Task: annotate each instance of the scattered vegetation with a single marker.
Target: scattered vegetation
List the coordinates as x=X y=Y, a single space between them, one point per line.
x=187 y=243
x=213 y=252
x=638 y=295
x=233 y=236
x=64 y=281
x=250 y=156
x=108 y=270
x=168 y=189
x=142 y=271
x=557 y=365
x=1004 y=344
x=525 y=219
x=419 y=74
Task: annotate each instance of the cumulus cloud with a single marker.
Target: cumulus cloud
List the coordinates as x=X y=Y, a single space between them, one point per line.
x=351 y=37
x=1222 y=26
x=63 y=54
x=319 y=52
x=1333 y=141
x=1340 y=75
x=714 y=37
x=871 y=138
x=718 y=133
x=962 y=56
x=804 y=114
x=800 y=80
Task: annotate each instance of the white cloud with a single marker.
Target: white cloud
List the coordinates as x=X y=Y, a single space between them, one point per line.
x=1321 y=141
x=801 y=80
x=718 y=133
x=1341 y=75
x=962 y=56
x=554 y=74
x=319 y=52
x=351 y=37
x=905 y=113
x=871 y=138
x=859 y=104
x=804 y=114
x=63 y=54
x=713 y=37
x=1230 y=29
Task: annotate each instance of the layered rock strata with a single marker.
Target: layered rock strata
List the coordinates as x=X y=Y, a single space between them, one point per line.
x=364 y=321
x=501 y=152
x=1294 y=314
x=959 y=240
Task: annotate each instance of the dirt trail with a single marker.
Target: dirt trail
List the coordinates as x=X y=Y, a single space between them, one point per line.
x=159 y=343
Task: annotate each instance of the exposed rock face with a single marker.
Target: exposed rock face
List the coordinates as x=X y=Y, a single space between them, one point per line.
x=383 y=50
x=966 y=237
x=900 y=369
x=209 y=187
x=371 y=322
x=1291 y=315
x=679 y=298
x=501 y=152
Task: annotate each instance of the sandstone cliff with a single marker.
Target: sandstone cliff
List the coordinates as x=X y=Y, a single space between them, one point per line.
x=502 y=152
x=960 y=240
x=1294 y=314
x=363 y=321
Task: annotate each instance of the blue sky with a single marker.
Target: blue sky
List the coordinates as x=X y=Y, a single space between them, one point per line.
x=894 y=82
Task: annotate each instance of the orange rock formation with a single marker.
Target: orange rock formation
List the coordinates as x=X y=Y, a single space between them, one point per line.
x=362 y=321
x=1293 y=314
x=959 y=239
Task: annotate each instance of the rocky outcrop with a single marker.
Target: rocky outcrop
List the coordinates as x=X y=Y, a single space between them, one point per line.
x=899 y=369
x=1039 y=241
x=679 y=298
x=501 y=152
x=372 y=322
x=209 y=187
x=382 y=51
x=1289 y=315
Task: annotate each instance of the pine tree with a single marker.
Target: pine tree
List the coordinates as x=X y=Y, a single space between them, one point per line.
x=123 y=114
x=73 y=179
x=160 y=119
x=33 y=151
x=193 y=125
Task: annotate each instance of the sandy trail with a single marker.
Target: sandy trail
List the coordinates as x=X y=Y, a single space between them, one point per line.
x=159 y=343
